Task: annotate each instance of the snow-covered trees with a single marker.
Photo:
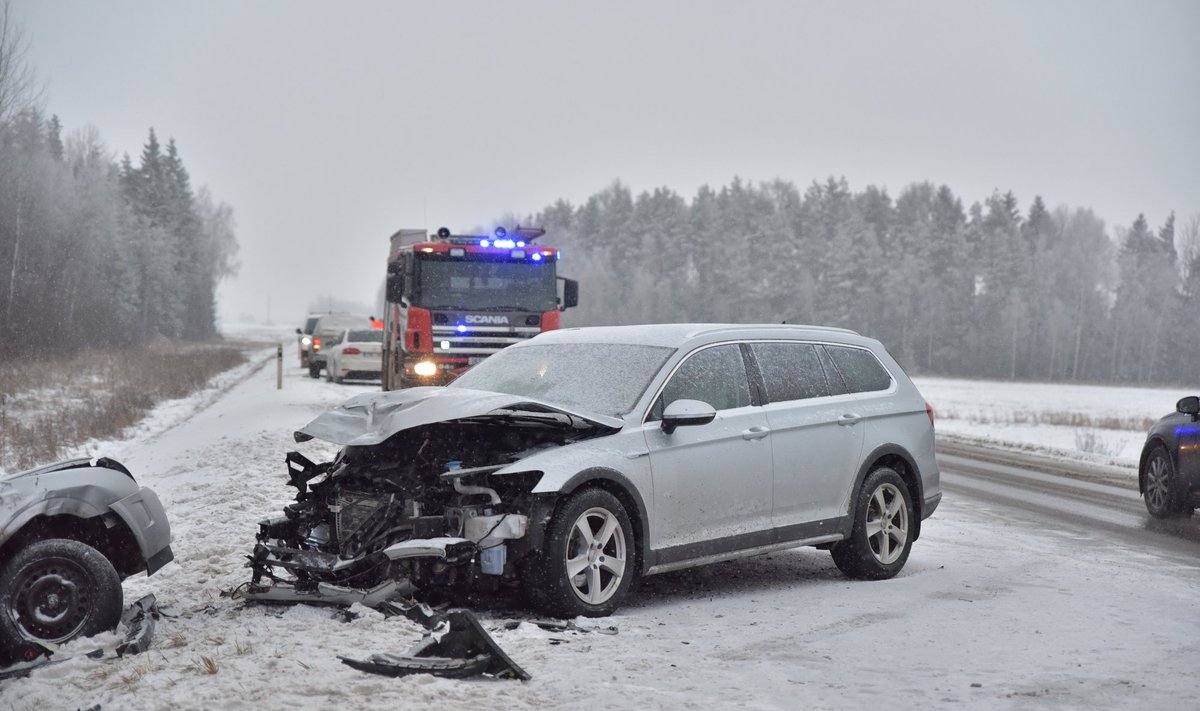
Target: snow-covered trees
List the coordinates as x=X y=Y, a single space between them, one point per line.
x=985 y=291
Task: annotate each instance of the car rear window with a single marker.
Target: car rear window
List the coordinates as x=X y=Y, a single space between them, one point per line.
x=859 y=367
x=366 y=336
x=791 y=371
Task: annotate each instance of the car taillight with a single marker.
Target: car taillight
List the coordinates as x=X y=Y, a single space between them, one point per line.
x=316 y=344
x=350 y=351
x=929 y=411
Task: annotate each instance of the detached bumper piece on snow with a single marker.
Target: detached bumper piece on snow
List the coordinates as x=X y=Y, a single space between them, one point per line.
x=138 y=620
x=457 y=648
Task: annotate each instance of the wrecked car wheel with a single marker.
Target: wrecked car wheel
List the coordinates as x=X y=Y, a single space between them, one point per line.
x=882 y=535
x=588 y=562
x=53 y=591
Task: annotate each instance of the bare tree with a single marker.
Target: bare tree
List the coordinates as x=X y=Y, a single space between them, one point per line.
x=1187 y=244
x=18 y=84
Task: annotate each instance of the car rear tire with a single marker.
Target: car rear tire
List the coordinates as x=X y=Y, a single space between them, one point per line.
x=53 y=591
x=589 y=558
x=1160 y=489
x=881 y=539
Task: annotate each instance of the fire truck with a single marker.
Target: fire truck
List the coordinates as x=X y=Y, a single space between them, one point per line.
x=453 y=300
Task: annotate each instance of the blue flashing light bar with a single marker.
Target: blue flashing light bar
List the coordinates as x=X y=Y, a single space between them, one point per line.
x=462 y=328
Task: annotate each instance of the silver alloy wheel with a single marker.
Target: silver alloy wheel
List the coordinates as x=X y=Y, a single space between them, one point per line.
x=887 y=524
x=1158 y=481
x=595 y=556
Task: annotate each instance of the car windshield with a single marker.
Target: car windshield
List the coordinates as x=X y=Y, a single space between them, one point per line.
x=365 y=336
x=605 y=378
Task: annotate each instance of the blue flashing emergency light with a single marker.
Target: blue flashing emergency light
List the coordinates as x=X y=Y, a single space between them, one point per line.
x=504 y=243
x=462 y=328
x=484 y=243
x=536 y=256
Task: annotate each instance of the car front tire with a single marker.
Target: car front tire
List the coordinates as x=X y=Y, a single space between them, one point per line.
x=1160 y=490
x=588 y=561
x=53 y=591
x=881 y=539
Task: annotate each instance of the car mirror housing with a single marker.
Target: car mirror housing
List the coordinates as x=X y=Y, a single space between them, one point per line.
x=687 y=412
x=1189 y=405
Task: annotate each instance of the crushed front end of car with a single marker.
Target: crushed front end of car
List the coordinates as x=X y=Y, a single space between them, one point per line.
x=426 y=500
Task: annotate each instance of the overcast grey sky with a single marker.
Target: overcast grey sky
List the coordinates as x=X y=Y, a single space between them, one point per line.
x=329 y=125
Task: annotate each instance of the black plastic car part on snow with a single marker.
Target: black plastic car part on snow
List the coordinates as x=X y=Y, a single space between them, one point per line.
x=456 y=647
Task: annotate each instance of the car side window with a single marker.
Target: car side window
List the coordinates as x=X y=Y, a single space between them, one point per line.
x=790 y=371
x=715 y=375
x=860 y=369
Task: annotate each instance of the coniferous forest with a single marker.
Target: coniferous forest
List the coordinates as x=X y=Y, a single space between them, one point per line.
x=96 y=253
x=996 y=289
x=99 y=253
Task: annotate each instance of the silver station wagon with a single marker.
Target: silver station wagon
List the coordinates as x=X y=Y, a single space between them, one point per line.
x=566 y=466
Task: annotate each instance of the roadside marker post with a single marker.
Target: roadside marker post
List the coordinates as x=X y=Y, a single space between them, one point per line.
x=279 y=367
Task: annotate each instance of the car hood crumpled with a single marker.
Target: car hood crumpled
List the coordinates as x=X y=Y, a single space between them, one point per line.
x=371 y=418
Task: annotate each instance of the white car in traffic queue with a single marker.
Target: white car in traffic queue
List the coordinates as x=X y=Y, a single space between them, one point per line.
x=357 y=355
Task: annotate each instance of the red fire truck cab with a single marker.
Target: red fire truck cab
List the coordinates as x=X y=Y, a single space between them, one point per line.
x=453 y=300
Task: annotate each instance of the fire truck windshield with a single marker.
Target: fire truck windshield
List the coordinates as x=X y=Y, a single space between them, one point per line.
x=481 y=285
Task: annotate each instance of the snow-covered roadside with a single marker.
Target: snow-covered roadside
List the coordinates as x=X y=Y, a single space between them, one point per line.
x=992 y=611
x=1057 y=419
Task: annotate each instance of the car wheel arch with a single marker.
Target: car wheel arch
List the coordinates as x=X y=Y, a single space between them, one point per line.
x=899 y=459
x=1153 y=442
x=107 y=533
x=617 y=484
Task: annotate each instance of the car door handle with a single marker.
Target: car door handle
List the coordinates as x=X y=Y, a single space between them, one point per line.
x=849 y=419
x=756 y=432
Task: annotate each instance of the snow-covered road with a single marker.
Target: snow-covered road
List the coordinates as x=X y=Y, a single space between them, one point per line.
x=991 y=612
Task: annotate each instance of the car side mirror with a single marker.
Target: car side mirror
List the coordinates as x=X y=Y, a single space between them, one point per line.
x=682 y=413
x=299 y=332
x=1189 y=405
x=395 y=283
x=570 y=297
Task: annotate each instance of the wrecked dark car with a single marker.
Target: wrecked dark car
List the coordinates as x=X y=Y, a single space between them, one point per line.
x=69 y=534
x=564 y=467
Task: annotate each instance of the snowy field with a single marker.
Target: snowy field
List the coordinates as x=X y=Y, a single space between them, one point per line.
x=1104 y=424
x=990 y=612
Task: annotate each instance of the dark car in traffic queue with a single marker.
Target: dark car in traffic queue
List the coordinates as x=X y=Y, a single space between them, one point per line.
x=1169 y=468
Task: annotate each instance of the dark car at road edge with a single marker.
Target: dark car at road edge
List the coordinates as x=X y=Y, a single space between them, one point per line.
x=1169 y=468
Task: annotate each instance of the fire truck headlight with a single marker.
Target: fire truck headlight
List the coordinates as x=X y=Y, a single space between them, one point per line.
x=445 y=345
x=425 y=368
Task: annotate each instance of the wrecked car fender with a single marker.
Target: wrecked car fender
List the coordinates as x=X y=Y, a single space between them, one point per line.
x=146 y=519
x=84 y=493
x=566 y=469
